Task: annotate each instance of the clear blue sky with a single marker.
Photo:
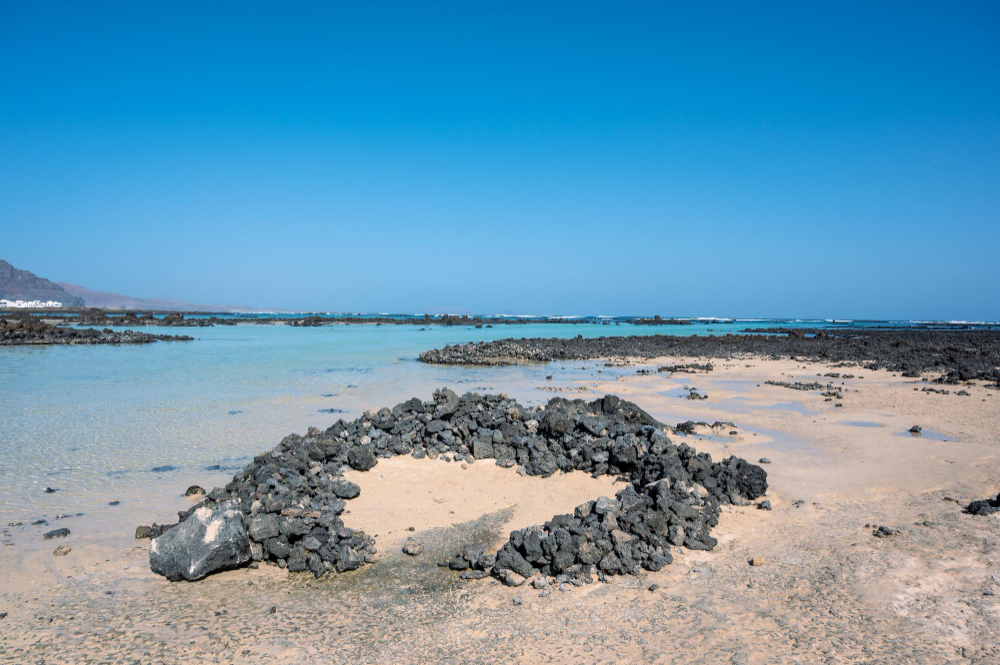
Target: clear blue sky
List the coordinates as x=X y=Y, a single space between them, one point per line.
x=755 y=159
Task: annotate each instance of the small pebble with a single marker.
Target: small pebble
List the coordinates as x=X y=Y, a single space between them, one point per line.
x=517 y=600
x=62 y=550
x=763 y=460
x=654 y=586
x=757 y=561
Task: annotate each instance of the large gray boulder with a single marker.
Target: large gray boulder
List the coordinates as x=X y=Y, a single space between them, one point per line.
x=211 y=539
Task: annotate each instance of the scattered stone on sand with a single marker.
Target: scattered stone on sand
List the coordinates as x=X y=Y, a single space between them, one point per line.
x=56 y=533
x=885 y=532
x=151 y=531
x=211 y=539
x=517 y=600
x=763 y=460
x=757 y=561
x=690 y=426
x=51 y=490
x=194 y=490
x=764 y=505
x=916 y=429
x=412 y=547
x=113 y=503
x=62 y=550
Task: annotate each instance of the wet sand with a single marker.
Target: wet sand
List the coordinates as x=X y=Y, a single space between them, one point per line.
x=828 y=590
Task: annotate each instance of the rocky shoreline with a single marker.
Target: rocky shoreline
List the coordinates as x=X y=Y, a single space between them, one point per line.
x=956 y=356
x=99 y=317
x=286 y=506
x=23 y=332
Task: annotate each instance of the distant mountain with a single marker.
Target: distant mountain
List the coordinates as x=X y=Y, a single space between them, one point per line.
x=22 y=285
x=106 y=300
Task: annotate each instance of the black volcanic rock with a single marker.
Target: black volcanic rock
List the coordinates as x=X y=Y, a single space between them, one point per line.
x=984 y=506
x=29 y=330
x=22 y=285
x=292 y=497
x=959 y=355
x=212 y=539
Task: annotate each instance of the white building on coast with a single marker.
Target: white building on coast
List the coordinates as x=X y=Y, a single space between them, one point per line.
x=29 y=304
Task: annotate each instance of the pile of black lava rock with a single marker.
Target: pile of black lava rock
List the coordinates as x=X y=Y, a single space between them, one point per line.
x=292 y=497
x=983 y=506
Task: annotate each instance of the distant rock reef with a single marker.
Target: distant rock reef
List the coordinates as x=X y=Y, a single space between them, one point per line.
x=960 y=355
x=31 y=331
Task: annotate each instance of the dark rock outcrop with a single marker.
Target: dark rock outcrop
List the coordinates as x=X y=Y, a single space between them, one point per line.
x=213 y=538
x=28 y=330
x=984 y=506
x=959 y=355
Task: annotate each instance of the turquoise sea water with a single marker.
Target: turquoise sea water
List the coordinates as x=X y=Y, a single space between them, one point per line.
x=138 y=424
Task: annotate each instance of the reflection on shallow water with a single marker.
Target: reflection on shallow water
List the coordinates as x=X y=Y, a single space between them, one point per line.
x=926 y=434
x=789 y=406
x=861 y=423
